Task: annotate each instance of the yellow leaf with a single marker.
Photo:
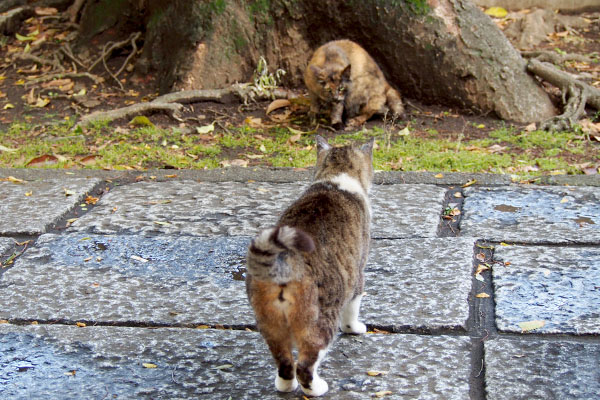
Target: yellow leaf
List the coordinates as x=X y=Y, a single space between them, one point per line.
x=202 y=327
x=439 y=176
x=206 y=129
x=376 y=373
x=531 y=325
x=263 y=148
x=15 y=180
x=382 y=393
x=149 y=365
x=20 y=82
x=404 y=132
x=8 y=106
x=564 y=200
x=471 y=182
x=81 y=324
x=482 y=295
x=496 y=12
x=28 y=194
x=140 y=120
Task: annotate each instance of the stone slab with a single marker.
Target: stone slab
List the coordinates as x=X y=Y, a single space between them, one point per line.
x=233 y=208
x=532 y=214
x=423 y=284
x=5 y=245
x=517 y=369
x=67 y=362
x=419 y=283
x=21 y=213
x=560 y=285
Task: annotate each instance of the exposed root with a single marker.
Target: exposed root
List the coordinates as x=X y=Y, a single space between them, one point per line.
x=173 y=102
x=576 y=95
x=556 y=58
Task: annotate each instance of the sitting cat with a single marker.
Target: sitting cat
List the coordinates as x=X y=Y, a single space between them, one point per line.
x=341 y=75
x=305 y=274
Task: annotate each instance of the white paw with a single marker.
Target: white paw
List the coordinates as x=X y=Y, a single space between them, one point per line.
x=355 y=327
x=318 y=387
x=285 y=385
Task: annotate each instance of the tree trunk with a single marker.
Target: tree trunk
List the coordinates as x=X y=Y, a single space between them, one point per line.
x=438 y=51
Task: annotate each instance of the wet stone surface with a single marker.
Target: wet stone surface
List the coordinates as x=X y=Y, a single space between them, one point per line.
x=195 y=280
x=520 y=214
x=537 y=369
x=230 y=208
x=560 y=285
x=20 y=203
x=105 y=362
x=409 y=285
x=5 y=245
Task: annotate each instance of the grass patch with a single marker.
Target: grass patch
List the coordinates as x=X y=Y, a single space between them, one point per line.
x=505 y=150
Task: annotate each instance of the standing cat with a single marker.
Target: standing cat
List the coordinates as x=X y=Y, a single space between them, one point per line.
x=343 y=76
x=305 y=274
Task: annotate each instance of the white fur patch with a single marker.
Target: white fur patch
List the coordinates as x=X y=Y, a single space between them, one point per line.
x=285 y=385
x=262 y=240
x=287 y=236
x=349 y=184
x=318 y=386
x=349 y=321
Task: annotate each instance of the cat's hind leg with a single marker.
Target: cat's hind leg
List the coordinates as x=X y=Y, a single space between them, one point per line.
x=308 y=363
x=349 y=319
x=285 y=376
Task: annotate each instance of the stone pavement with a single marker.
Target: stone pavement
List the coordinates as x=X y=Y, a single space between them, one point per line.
x=141 y=295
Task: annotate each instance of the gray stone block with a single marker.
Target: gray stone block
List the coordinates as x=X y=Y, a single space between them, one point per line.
x=68 y=362
x=539 y=214
x=518 y=369
x=420 y=284
x=560 y=285
x=5 y=245
x=230 y=208
x=46 y=203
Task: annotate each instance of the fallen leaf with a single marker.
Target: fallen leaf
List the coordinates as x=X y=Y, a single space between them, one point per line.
x=91 y=199
x=8 y=106
x=482 y=295
x=439 y=176
x=205 y=129
x=254 y=122
x=69 y=192
x=15 y=180
x=28 y=194
x=404 y=132
x=45 y=11
x=149 y=365
x=376 y=373
x=88 y=160
x=140 y=120
x=458 y=195
x=277 y=104
x=479 y=277
x=202 y=327
x=481 y=268
x=564 y=200
x=224 y=366
x=480 y=257
x=531 y=325
x=138 y=258
x=171 y=176
x=531 y=127
x=81 y=324
x=71 y=373
x=471 y=182
x=3 y=148
x=382 y=393
x=42 y=161
x=163 y=223
x=234 y=163
x=496 y=12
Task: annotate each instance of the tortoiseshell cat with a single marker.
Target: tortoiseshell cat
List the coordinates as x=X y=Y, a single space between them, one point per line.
x=342 y=76
x=305 y=275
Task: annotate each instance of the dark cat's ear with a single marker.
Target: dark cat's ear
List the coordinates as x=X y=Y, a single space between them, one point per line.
x=367 y=148
x=322 y=144
x=345 y=75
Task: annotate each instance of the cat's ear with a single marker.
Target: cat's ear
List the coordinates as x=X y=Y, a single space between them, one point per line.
x=322 y=144
x=367 y=148
x=345 y=75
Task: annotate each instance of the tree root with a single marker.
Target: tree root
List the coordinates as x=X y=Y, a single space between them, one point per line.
x=173 y=103
x=576 y=95
x=556 y=58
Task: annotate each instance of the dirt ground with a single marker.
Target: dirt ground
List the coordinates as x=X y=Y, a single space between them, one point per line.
x=27 y=93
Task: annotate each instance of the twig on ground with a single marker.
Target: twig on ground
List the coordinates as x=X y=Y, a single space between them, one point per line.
x=60 y=75
x=39 y=60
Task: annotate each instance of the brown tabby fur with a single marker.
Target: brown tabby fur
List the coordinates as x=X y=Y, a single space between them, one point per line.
x=307 y=272
x=342 y=76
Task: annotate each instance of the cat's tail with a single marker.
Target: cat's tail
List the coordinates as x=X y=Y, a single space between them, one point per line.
x=266 y=247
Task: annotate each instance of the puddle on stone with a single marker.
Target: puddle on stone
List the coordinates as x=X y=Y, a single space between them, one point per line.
x=507 y=208
x=585 y=220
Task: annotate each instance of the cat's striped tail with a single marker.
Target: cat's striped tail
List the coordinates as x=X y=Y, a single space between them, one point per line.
x=263 y=252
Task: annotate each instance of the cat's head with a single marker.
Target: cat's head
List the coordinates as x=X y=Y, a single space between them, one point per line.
x=354 y=160
x=334 y=80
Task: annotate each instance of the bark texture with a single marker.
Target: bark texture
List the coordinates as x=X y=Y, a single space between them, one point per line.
x=438 y=51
